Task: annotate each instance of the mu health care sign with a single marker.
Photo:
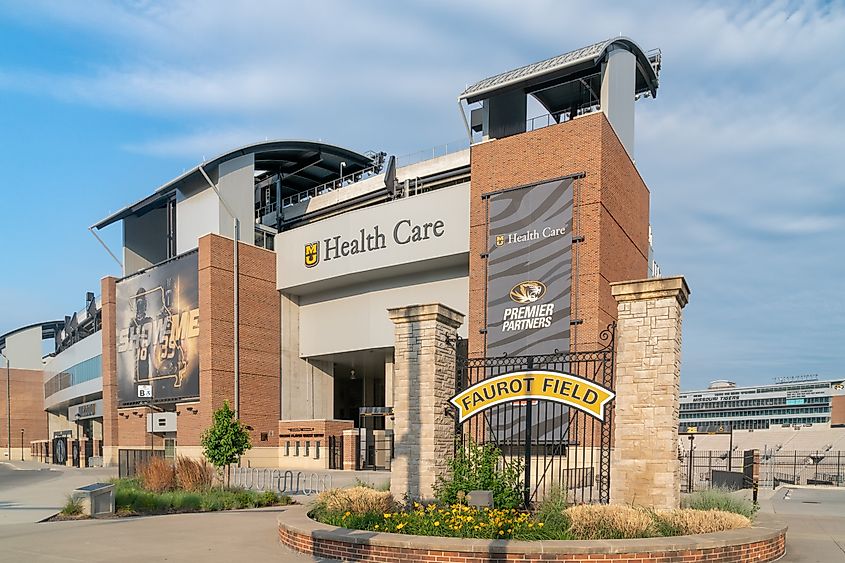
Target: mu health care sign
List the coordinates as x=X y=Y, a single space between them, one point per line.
x=558 y=387
x=529 y=269
x=406 y=234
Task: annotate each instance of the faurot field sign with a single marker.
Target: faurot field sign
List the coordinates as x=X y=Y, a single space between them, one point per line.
x=564 y=388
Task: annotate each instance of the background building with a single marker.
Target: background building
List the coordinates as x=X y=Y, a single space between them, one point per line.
x=801 y=413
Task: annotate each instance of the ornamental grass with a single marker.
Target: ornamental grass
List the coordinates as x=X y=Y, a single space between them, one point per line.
x=690 y=521
x=357 y=500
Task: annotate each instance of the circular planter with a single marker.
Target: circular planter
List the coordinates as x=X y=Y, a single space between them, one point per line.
x=765 y=541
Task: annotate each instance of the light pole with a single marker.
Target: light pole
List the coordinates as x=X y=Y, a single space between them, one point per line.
x=8 y=408
x=21 y=444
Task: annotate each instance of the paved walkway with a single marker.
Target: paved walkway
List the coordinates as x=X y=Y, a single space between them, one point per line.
x=816 y=520
x=30 y=492
x=240 y=536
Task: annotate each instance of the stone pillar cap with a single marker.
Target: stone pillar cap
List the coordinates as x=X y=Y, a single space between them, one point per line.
x=429 y=311
x=652 y=288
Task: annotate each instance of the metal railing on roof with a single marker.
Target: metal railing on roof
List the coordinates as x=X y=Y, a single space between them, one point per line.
x=349 y=179
x=327 y=187
x=433 y=152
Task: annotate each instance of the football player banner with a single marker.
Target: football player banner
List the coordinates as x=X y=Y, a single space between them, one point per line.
x=567 y=389
x=529 y=269
x=157 y=317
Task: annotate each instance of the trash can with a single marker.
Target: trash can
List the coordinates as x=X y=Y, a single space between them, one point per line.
x=97 y=499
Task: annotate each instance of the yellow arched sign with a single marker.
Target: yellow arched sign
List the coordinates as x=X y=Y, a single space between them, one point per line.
x=564 y=388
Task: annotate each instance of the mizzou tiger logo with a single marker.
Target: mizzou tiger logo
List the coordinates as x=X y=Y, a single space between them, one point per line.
x=527 y=292
x=500 y=240
x=312 y=254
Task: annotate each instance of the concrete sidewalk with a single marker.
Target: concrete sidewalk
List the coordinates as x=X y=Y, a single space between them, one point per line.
x=243 y=535
x=32 y=491
x=816 y=520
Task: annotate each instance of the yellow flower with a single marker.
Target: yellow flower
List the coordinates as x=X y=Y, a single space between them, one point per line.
x=400 y=526
x=437 y=523
x=531 y=524
x=387 y=515
x=540 y=525
x=501 y=532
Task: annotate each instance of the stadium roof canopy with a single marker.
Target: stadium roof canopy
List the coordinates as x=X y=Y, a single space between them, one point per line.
x=49 y=329
x=556 y=82
x=302 y=165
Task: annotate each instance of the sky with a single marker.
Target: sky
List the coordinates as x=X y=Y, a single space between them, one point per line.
x=742 y=150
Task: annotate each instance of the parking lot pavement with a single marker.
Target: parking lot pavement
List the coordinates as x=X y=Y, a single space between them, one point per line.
x=816 y=520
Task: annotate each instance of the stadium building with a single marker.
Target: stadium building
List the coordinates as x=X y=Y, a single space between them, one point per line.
x=265 y=276
x=798 y=413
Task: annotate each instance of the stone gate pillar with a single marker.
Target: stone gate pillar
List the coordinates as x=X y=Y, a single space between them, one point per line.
x=423 y=382
x=645 y=469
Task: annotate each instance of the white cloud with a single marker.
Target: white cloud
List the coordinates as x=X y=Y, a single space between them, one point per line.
x=741 y=149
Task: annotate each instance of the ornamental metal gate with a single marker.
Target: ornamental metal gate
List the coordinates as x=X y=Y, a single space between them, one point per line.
x=556 y=447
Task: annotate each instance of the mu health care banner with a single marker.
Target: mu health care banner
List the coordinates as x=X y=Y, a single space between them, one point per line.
x=529 y=269
x=157 y=333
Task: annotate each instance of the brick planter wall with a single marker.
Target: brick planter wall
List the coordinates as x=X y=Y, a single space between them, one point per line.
x=766 y=541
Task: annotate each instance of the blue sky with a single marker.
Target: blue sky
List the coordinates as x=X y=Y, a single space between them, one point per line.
x=742 y=149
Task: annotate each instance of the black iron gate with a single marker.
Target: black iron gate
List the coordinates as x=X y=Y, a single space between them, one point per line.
x=559 y=447
x=336 y=452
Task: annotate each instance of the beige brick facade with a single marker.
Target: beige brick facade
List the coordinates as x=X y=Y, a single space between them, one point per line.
x=645 y=468
x=423 y=379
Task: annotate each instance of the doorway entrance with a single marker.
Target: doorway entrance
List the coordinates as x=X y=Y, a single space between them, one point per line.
x=360 y=382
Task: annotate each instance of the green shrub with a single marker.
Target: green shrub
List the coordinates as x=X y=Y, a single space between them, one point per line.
x=475 y=467
x=457 y=520
x=246 y=499
x=212 y=501
x=720 y=499
x=131 y=498
x=552 y=511
x=72 y=507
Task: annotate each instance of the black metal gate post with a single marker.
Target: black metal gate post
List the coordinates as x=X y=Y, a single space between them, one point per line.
x=528 y=439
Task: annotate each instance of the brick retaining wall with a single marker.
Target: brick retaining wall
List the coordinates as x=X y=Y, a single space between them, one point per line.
x=766 y=541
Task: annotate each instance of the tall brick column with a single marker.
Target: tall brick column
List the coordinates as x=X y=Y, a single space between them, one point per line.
x=423 y=381
x=644 y=468
x=108 y=289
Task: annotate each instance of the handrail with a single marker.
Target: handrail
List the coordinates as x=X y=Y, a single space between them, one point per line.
x=433 y=152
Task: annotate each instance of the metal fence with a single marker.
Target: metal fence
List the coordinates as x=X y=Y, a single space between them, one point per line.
x=558 y=447
x=128 y=461
x=280 y=480
x=793 y=467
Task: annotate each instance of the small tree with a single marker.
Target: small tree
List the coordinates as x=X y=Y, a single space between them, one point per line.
x=225 y=440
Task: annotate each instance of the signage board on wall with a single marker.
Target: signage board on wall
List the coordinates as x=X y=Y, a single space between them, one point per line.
x=92 y=409
x=405 y=235
x=157 y=333
x=529 y=269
